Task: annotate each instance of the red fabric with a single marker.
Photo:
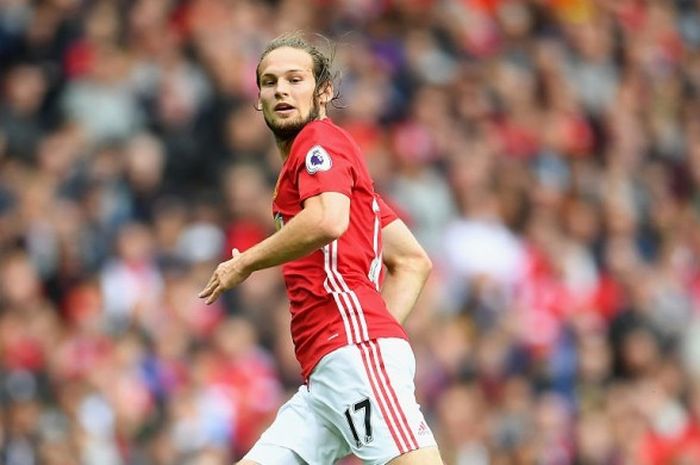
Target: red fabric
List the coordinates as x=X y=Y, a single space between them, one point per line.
x=657 y=449
x=23 y=352
x=517 y=141
x=81 y=354
x=608 y=297
x=79 y=59
x=179 y=20
x=332 y=307
x=576 y=135
x=632 y=15
x=487 y=6
x=387 y=214
x=544 y=303
x=693 y=286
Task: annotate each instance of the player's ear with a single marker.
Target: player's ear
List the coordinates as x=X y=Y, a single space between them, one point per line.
x=325 y=94
x=258 y=103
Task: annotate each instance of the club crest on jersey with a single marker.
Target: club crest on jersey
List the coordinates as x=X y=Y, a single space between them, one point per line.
x=317 y=159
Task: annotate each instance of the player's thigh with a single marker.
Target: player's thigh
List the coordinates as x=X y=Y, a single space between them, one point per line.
x=366 y=391
x=297 y=437
x=424 y=456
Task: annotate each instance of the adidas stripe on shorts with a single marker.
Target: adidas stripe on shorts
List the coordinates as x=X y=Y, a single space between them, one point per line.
x=360 y=399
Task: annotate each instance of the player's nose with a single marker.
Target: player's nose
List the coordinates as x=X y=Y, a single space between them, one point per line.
x=282 y=88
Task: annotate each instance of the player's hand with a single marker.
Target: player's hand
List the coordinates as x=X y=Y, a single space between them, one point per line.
x=227 y=275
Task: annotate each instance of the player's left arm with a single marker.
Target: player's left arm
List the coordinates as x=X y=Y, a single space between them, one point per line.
x=408 y=267
x=407 y=263
x=323 y=219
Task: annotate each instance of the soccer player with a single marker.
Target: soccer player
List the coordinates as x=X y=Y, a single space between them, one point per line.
x=333 y=235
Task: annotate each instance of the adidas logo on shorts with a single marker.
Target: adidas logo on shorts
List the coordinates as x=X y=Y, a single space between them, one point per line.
x=423 y=429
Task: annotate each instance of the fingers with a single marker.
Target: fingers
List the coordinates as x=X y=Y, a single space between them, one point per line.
x=212 y=291
x=214 y=295
x=224 y=273
x=210 y=286
x=214 y=287
x=213 y=283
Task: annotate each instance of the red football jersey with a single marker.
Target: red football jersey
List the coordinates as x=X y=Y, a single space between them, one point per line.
x=334 y=292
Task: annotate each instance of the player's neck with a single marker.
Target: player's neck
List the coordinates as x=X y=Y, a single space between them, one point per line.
x=284 y=146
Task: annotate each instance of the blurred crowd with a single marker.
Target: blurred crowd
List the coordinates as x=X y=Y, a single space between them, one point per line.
x=545 y=152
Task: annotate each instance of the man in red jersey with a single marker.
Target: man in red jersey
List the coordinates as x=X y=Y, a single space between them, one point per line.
x=334 y=233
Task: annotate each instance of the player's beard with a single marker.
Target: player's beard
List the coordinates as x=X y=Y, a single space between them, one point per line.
x=285 y=131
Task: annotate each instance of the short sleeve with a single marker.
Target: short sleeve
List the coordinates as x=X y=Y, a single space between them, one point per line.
x=319 y=169
x=386 y=213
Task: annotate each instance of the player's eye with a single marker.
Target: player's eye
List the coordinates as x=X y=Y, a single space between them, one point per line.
x=267 y=82
x=296 y=79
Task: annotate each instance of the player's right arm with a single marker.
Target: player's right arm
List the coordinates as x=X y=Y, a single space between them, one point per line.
x=408 y=267
x=323 y=219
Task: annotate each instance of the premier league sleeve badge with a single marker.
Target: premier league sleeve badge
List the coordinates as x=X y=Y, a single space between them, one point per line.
x=317 y=159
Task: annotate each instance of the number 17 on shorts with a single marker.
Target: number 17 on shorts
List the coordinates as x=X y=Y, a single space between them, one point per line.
x=365 y=407
x=366 y=391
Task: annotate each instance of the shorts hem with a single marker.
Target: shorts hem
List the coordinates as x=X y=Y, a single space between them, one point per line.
x=261 y=454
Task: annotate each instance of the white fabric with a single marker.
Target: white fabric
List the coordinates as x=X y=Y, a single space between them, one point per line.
x=375 y=376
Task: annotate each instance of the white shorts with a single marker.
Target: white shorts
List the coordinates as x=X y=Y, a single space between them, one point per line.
x=360 y=399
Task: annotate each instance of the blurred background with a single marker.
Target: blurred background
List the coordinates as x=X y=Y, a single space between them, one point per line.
x=545 y=152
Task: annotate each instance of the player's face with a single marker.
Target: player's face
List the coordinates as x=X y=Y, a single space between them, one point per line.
x=287 y=88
